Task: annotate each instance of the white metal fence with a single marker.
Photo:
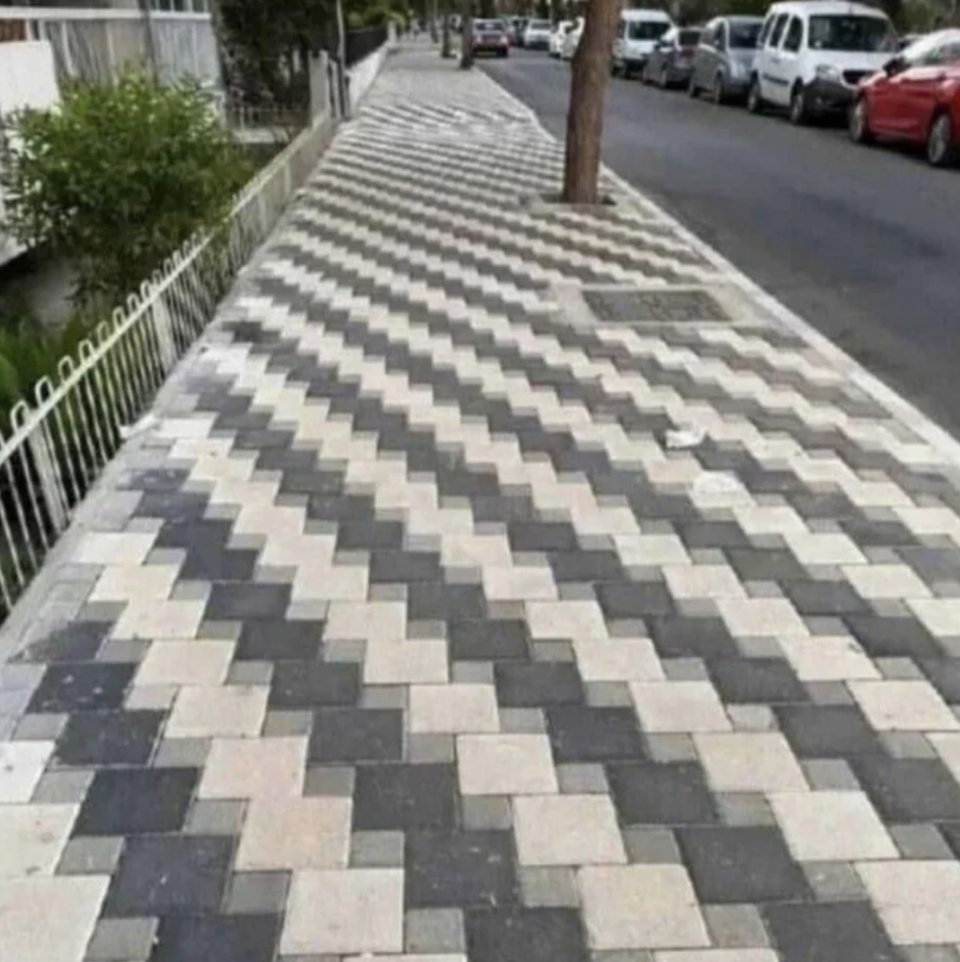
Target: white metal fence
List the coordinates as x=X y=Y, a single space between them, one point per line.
x=59 y=444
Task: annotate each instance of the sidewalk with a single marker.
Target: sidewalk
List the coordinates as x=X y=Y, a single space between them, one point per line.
x=429 y=623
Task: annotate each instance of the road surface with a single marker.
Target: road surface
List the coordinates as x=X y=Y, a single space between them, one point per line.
x=864 y=244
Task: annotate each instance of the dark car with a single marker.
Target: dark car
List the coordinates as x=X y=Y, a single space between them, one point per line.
x=724 y=60
x=672 y=59
x=915 y=98
x=490 y=36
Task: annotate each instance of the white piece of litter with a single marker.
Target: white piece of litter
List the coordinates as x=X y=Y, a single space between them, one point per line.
x=687 y=436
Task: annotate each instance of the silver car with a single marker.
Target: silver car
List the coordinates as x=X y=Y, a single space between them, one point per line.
x=724 y=58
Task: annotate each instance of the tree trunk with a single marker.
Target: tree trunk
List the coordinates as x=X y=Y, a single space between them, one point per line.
x=588 y=87
x=466 y=34
x=433 y=21
x=446 y=52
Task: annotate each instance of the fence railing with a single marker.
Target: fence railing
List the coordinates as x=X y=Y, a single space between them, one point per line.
x=77 y=421
x=362 y=43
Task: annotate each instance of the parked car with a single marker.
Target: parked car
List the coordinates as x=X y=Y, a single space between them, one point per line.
x=555 y=46
x=724 y=60
x=670 y=62
x=813 y=54
x=572 y=40
x=515 y=28
x=916 y=98
x=637 y=34
x=537 y=35
x=490 y=36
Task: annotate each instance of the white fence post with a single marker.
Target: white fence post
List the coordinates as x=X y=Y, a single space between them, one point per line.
x=43 y=453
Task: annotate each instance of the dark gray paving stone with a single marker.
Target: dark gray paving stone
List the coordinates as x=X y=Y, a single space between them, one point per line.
x=94 y=686
x=633 y=600
x=170 y=875
x=137 y=801
x=109 y=738
x=828 y=731
x=247 y=602
x=356 y=735
x=77 y=641
x=652 y=793
x=682 y=637
x=754 y=564
x=581 y=734
x=314 y=684
x=824 y=598
x=901 y=637
x=712 y=534
x=755 y=681
x=436 y=601
x=532 y=935
x=369 y=535
x=585 y=567
x=403 y=797
x=541 y=536
x=218 y=564
x=538 y=684
x=829 y=932
x=741 y=865
x=298 y=641
x=459 y=869
x=217 y=938
x=909 y=789
x=944 y=675
x=404 y=567
x=489 y=641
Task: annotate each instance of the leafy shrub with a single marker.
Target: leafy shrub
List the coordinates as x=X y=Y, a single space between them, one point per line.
x=118 y=178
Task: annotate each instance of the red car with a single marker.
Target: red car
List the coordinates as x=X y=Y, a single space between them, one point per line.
x=915 y=98
x=490 y=36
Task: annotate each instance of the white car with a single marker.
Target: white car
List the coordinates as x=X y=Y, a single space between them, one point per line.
x=572 y=40
x=637 y=35
x=812 y=55
x=555 y=46
x=537 y=35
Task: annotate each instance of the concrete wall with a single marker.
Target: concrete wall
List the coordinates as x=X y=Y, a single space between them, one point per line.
x=362 y=75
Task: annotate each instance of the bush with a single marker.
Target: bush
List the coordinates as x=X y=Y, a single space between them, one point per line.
x=118 y=178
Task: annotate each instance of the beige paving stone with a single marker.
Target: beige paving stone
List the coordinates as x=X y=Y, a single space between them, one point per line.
x=640 y=907
x=49 y=919
x=831 y=826
x=114 y=548
x=917 y=901
x=717 y=955
x=903 y=706
x=135 y=582
x=32 y=838
x=703 y=581
x=295 y=833
x=574 y=620
x=567 y=830
x=505 y=765
x=199 y=663
x=823 y=548
x=21 y=767
x=519 y=584
x=335 y=583
x=457 y=709
x=947 y=746
x=618 y=659
x=886 y=581
x=749 y=762
x=355 y=911
x=157 y=620
x=768 y=617
x=827 y=658
x=254 y=768
x=650 y=549
x=366 y=621
x=210 y=711
x=941 y=616
x=405 y=662
x=679 y=706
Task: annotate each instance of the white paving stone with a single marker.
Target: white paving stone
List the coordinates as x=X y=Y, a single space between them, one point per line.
x=567 y=830
x=505 y=765
x=903 y=706
x=749 y=762
x=295 y=833
x=21 y=766
x=679 y=706
x=456 y=709
x=32 y=838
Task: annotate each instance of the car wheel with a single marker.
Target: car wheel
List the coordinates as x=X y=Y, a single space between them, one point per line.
x=627 y=70
x=799 y=114
x=858 y=124
x=693 y=91
x=754 y=99
x=942 y=147
x=719 y=89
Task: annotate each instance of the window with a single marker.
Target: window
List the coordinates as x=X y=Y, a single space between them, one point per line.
x=794 y=35
x=647 y=29
x=765 y=32
x=689 y=38
x=777 y=31
x=744 y=35
x=935 y=50
x=850 y=33
x=720 y=36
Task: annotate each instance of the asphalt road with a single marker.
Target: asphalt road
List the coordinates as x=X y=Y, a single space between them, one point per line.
x=862 y=243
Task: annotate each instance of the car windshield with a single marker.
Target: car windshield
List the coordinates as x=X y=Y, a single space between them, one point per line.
x=646 y=30
x=538 y=25
x=850 y=33
x=744 y=35
x=489 y=26
x=689 y=38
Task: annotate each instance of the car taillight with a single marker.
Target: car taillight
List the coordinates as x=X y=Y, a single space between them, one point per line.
x=504 y=42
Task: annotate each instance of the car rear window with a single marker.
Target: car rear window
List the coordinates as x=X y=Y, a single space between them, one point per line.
x=850 y=33
x=488 y=25
x=745 y=35
x=689 y=38
x=646 y=29
x=539 y=25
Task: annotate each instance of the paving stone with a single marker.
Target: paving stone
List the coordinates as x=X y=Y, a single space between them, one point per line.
x=567 y=830
x=434 y=931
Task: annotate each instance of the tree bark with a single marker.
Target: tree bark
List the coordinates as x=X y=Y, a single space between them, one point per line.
x=445 y=51
x=433 y=21
x=466 y=34
x=588 y=86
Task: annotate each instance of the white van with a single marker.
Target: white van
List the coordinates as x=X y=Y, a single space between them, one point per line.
x=812 y=55
x=637 y=35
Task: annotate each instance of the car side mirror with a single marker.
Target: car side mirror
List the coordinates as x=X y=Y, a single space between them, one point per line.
x=892 y=67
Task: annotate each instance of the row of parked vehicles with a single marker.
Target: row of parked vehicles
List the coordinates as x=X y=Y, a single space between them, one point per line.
x=807 y=58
